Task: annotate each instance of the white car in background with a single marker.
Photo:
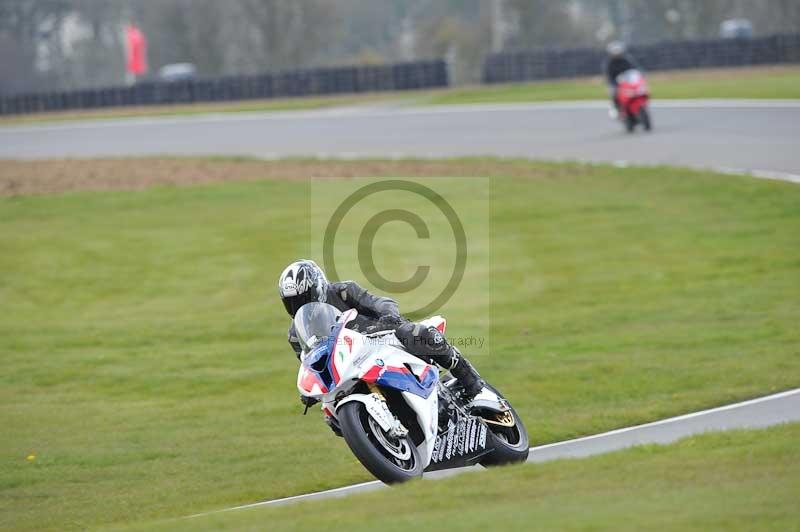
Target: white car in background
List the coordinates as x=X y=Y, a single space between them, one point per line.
x=177 y=72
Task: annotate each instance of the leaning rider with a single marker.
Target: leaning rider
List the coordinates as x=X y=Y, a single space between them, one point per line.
x=304 y=282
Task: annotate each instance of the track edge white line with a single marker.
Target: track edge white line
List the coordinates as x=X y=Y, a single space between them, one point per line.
x=699 y=413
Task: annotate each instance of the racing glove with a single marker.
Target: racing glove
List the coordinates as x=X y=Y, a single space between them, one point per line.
x=390 y=321
x=308 y=401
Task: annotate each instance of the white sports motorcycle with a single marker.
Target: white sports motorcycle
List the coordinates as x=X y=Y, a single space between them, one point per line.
x=395 y=413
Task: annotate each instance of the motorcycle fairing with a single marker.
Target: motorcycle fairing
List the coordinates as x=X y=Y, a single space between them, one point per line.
x=407 y=376
x=314 y=377
x=310 y=383
x=348 y=357
x=632 y=91
x=328 y=377
x=342 y=343
x=636 y=104
x=401 y=378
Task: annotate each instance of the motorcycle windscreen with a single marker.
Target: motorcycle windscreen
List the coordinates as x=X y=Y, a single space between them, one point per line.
x=629 y=77
x=314 y=322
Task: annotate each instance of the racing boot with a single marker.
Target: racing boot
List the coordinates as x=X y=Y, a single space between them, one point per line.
x=478 y=396
x=466 y=374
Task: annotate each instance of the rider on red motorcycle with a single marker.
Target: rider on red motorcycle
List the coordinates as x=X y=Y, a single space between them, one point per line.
x=619 y=61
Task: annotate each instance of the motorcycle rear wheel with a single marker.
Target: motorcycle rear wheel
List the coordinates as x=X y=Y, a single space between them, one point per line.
x=391 y=460
x=630 y=122
x=644 y=118
x=511 y=443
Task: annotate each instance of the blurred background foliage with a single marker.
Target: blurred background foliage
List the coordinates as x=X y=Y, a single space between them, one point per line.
x=68 y=44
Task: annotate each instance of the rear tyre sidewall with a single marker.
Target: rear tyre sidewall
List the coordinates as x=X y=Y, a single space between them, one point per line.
x=644 y=116
x=505 y=453
x=355 y=434
x=630 y=122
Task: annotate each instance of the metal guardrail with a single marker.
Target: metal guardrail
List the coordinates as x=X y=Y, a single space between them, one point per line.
x=554 y=63
x=319 y=81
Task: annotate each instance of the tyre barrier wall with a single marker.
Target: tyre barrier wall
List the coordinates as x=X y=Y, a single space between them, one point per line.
x=554 y=63
x=319 y=81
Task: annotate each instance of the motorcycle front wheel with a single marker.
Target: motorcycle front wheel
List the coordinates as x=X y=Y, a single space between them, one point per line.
x=391 y=460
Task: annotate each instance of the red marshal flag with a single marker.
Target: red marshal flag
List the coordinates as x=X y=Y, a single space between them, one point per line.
x=137 y=50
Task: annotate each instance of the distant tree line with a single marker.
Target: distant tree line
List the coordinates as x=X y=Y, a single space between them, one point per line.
x=65 y=44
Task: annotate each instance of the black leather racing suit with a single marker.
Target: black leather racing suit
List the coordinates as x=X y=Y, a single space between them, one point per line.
x=380 y=313
x=614 y=67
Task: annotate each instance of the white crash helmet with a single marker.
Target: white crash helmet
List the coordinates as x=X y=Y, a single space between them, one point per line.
x=616 y=48
x=302 y=282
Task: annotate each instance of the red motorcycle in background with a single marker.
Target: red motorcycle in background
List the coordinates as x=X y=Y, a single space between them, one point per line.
x=632 y=98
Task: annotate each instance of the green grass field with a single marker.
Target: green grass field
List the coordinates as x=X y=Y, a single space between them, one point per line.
x=742 y=480
x=756 y=82
x=759 y=83
x=144 y=355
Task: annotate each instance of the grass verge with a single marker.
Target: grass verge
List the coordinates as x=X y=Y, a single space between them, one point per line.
x=741 y=480
x=309 y=103
x=144 y=355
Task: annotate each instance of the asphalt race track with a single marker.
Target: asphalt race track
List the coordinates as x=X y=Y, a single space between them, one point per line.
x=757 y=413
x=762 y=136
